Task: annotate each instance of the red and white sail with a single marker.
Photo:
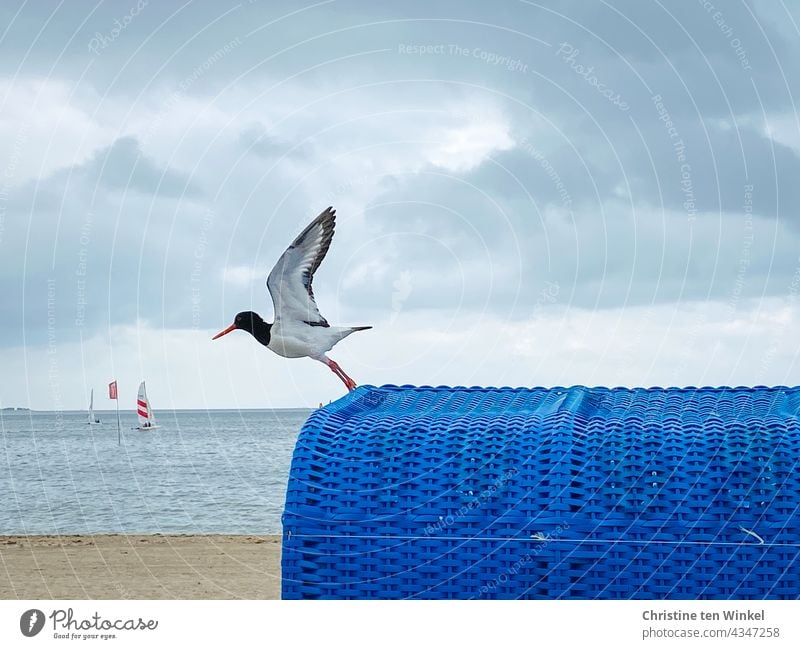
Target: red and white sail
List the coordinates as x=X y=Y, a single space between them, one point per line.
x=143 y=408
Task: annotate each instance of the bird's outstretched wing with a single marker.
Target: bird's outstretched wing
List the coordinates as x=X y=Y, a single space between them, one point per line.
x=289 y=283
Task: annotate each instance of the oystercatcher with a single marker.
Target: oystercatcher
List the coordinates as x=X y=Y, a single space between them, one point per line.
x=299 y=329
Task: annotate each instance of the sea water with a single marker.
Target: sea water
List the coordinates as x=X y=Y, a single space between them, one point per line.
x=200 y=472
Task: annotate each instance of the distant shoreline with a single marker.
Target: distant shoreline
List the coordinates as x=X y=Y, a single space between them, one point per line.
x=126 y=411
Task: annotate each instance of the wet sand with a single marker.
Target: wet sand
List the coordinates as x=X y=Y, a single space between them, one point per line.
x=140 y=567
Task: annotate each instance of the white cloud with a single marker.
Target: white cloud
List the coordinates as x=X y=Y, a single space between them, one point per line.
x=780 y=127
x=461 y=149
x=244 y=276
x=784 y=129
x=54 y=124
x=670 y=344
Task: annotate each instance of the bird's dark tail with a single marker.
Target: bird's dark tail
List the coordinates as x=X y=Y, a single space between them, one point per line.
x=344 y=332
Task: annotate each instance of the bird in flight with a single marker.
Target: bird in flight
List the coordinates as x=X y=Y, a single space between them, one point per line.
x=299 y=329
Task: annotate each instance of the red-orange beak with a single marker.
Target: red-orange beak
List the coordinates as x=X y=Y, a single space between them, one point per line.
x=224 y=331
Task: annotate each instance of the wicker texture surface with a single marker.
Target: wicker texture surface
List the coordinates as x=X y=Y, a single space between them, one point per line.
x=423 y=492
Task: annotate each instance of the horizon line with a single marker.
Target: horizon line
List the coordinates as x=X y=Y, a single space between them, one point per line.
x=22 y=409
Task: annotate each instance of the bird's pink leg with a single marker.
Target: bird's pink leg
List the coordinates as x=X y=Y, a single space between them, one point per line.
x=338 y=371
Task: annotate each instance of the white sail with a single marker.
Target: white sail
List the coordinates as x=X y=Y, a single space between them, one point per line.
x=143 y=409
x=92 y=418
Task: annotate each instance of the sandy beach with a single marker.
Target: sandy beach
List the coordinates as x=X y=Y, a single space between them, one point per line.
x=140 y=567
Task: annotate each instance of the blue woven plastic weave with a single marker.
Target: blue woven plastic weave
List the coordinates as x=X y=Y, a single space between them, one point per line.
x=420 y=492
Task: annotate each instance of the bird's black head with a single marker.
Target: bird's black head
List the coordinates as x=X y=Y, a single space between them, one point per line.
x=247 y=320
x=250 y=322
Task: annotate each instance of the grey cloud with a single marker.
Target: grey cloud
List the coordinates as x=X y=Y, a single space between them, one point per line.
x=120 y=167
x=124 y=167
x=555 y=208
x=99 y=236
x=256 y=140
x=467 y=252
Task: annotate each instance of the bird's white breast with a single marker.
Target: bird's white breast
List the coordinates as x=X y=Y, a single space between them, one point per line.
x=298 y=340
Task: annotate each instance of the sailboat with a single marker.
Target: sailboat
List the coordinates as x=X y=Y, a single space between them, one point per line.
x=146 y=419
x=92 y=418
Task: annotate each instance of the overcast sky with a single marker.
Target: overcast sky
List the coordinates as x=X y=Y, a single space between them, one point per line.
x=599 y=193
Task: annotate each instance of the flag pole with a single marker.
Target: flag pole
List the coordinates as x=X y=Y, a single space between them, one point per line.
x=112 y=394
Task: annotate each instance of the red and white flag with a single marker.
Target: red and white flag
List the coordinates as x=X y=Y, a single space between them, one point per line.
x=112 y=390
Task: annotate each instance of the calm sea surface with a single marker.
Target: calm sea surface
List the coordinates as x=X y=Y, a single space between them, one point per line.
x=200 y=472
